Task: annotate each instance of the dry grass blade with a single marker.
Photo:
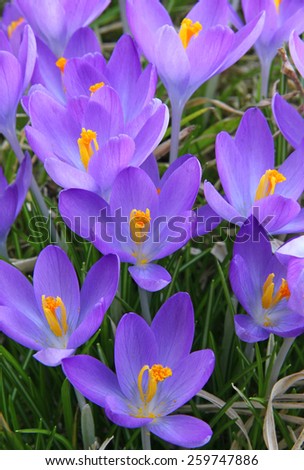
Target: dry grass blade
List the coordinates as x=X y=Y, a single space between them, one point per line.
x=230 y=412
x=280 y=387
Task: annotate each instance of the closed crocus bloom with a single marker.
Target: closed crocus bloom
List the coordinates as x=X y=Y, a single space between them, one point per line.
x=142 y=222
x=260 y=283
x=281 y=17
x=52 y=316
x=252 y=184
x=12 y=197
x=16 y=69
x=202 y=47
x=86 y=143
x=55 y=22
x=155 y=374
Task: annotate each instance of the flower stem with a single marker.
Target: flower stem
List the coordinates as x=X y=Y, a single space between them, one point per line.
x=87 y=422
x=265 y=72
x=145 y=304
x=176 y=117
x=145 y=438
x=123 y=15
x=287 y=343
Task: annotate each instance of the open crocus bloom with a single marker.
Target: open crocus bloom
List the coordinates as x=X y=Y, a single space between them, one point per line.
x=281 y=17
x=261 y=285
x=12 y=197
x=202 y=47
x=252 y=185
x=155 y=374
x=52 y=316
x=87 y=143
x=55 y=22
x=141 y=223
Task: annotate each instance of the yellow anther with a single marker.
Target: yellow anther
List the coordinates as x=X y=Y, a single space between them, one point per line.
x=85 y=146
x=269 y=300
x=139 y=225
x=268 y=183
x=187 y=30
x=61 y=63
x=277 y=4
x=96 y=87
x=57 y=324
x=13 y=25
x=157 y=373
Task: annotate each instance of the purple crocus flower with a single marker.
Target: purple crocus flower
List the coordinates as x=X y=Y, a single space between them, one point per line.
x=142 y=222
x=15 y=74
x=260 y=284
x=282 y=16
x=155 y=374
x=203 y=47
x=86 y=143
x=55 y=22
x=52 y=316
x=123 y=72
x=12 y=197
x=50 y=69
x=252 y=185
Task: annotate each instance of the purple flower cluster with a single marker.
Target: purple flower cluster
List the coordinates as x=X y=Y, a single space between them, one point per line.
x=95 y=124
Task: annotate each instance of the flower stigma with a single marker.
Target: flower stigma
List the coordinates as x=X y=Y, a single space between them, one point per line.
x=61 y=63
x=269 y=300
x=188 y=29
x=85 y=146
x=268 y=184
x=96 y=87
x=139 y=225
x=14 y=25
x=157 y=373
x=57 y=323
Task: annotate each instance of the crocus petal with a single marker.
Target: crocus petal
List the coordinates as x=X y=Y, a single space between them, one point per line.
x=249 y=331
x=101 y=282
x=293 y=170
x=295 y=226
x=275 y=211
x=81 y=211
x=54 y=276
x=150 y=166
x=286 y=324
x=27 y=55
x=115 y=155
x=88 y=326
x=295 y=279
x=151 y=277
x=52 y=357
x=179 y=192
x=205 y=221
x=244 y=289
x=17 y=292
x=294 y=22
x=118 y=410
x=145 y=17
x=10 y=90
x=20 y=328
x=289 y=121
x=135 y=347
x=296 y=46
x=173 y=327
x=67 y=176
x=91 y=378
x=172 y=63
x=293 y=248
x=182 y=430
x=209 y=13
x=23 y=180
x=188 y=377
x=8 y=201
x=220 y=205
x=216 y=44
x=83 y=41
